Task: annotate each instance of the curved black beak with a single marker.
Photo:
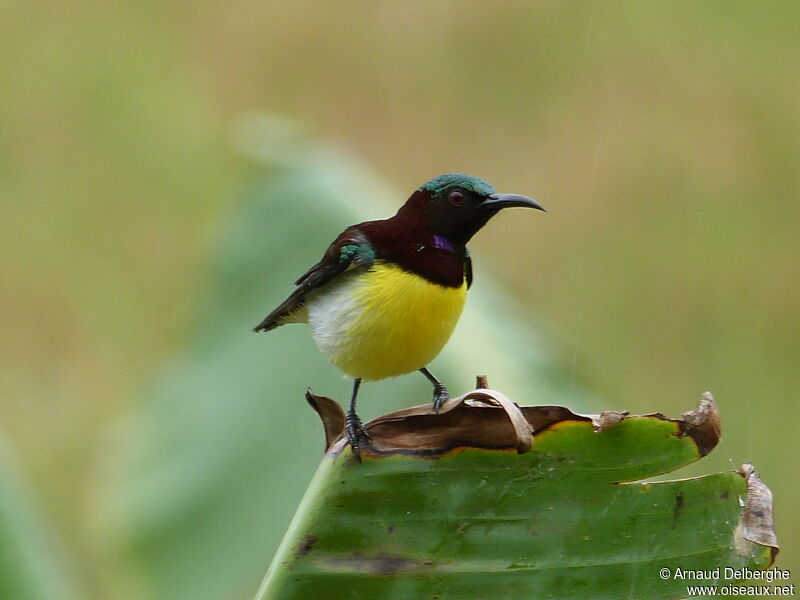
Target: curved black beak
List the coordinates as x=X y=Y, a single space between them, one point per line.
x=498 y=201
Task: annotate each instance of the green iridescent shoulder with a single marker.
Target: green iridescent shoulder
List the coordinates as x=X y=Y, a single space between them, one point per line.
x=449 y=180
x=359 y=253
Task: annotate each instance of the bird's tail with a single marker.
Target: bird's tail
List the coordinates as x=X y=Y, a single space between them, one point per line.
x=266 y=325
x=291 y=310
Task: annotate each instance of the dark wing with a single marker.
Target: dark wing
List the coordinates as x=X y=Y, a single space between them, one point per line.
x=468 y=269
x=350 y=249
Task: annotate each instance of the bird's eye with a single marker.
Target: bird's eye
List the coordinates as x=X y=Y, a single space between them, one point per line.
x=456 y=198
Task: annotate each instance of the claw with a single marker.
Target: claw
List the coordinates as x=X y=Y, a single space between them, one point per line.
x=440 y=396
x=440 y=393
x=355 y=430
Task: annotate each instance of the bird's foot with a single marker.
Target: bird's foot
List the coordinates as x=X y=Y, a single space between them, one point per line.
x=355 y=429
x=440 y=396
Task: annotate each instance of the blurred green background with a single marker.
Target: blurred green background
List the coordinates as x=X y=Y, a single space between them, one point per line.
x=662 y=137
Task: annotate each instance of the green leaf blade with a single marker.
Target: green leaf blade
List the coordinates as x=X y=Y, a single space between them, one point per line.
x=475 y=522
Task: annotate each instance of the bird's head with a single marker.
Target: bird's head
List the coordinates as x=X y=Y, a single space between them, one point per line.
x=456 y=206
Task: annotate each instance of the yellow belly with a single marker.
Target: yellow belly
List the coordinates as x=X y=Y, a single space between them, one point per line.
x=389 y=322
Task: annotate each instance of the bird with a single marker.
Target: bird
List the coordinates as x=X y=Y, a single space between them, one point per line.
x=386 y=295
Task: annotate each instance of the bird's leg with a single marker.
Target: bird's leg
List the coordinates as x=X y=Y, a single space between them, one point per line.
x=440 y=393
x=353 y=424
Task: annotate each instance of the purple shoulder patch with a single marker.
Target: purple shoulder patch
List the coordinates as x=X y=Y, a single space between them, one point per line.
x=441 y=242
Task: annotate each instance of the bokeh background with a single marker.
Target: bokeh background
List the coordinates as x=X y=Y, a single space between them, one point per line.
x=141 y=147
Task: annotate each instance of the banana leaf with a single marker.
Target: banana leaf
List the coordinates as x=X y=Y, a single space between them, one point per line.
x=491 y=500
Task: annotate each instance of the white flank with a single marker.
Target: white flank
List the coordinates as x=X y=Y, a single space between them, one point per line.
x=331 y=312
